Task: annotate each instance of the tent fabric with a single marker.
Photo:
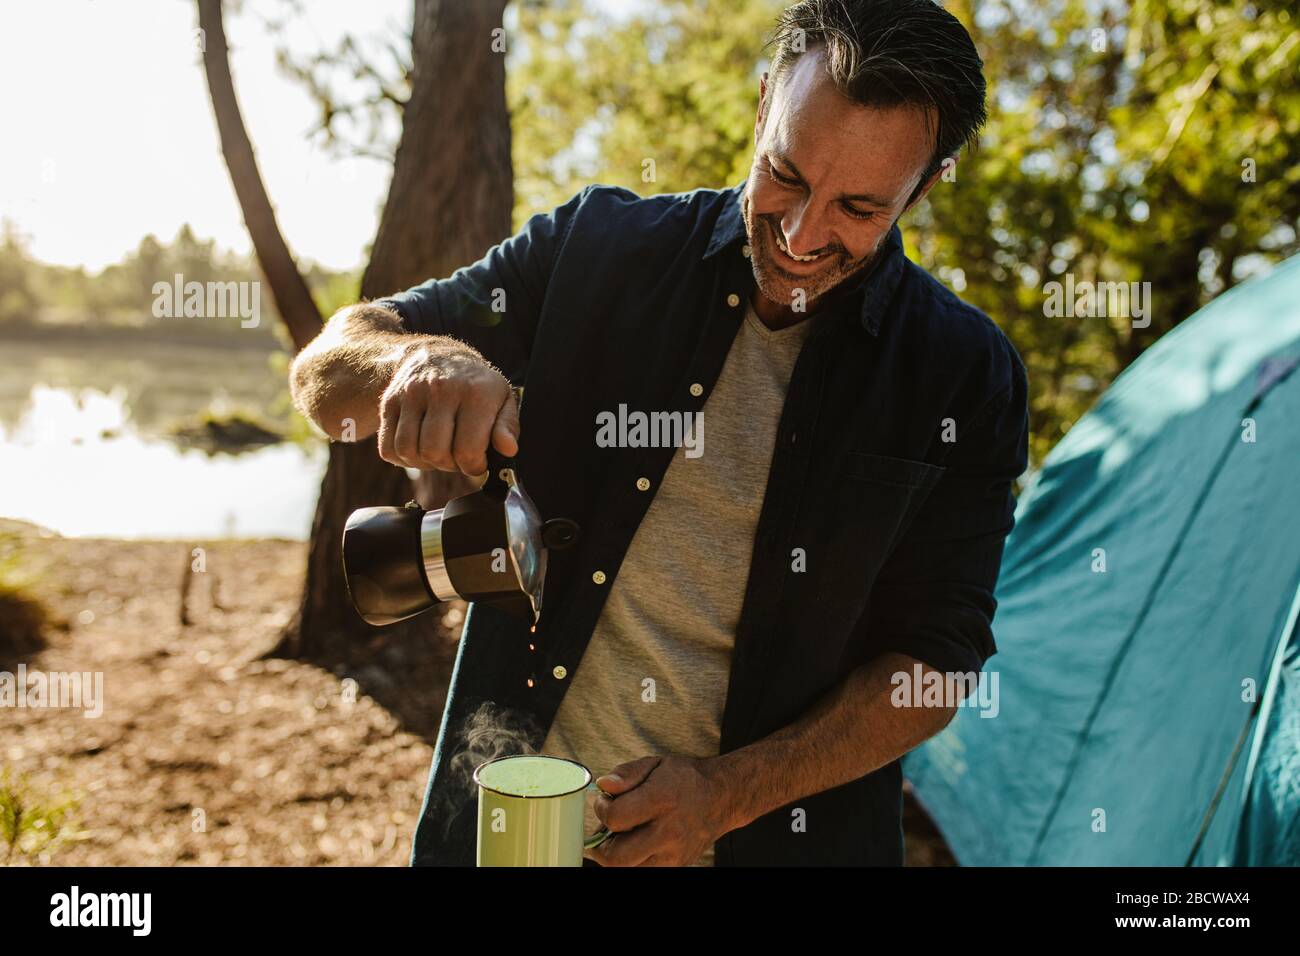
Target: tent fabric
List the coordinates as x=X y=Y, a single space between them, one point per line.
x=1148 y=665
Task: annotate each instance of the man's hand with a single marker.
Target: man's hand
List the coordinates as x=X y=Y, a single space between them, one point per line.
x=433 y=399
x=441 y=410
x=665 y=811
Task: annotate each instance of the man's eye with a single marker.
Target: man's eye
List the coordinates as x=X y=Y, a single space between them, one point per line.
x=858 y=213
x=778 y=177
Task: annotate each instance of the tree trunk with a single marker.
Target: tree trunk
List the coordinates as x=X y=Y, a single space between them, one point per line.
x=326 y=627
x=453 y=186
x=450 y=200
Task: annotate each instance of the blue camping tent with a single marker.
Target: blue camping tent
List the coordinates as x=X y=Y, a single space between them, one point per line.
x=1148 y=665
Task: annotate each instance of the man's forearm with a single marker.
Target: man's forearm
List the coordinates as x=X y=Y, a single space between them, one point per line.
x=852 y=731
x=339 y=377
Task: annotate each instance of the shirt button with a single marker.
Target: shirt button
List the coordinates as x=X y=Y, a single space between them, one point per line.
x=745 y=251
x=733 y=300
x=642 y=484
x=559 y=672
x=599 y=577
x=697 y=389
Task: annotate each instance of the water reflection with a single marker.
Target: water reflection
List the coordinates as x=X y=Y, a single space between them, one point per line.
x=161 y=385
x=74 y=460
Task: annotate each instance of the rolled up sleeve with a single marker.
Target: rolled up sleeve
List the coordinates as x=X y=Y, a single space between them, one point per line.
x=494 y=304
x=934 y=598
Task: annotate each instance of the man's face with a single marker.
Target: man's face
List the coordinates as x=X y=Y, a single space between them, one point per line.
x=829 y=179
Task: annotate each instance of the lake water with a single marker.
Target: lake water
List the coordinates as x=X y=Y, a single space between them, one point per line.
x=84 y=452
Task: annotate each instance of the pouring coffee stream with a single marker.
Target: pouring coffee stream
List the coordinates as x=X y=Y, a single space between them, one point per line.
x=489 y=545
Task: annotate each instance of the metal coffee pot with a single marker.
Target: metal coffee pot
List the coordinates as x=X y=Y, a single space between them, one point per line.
x=489 y=545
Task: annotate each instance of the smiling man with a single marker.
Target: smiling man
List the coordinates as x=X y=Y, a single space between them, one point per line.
x=723 y=644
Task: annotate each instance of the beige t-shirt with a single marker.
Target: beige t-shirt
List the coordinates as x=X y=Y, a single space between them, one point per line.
x=653 y=679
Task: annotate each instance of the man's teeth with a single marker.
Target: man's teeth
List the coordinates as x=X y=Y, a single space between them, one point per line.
x=792 y=255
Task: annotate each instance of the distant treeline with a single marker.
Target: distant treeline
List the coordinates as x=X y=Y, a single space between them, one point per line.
x=38 y=299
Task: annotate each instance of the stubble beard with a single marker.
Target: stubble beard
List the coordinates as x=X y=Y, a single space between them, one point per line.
x=779 y=286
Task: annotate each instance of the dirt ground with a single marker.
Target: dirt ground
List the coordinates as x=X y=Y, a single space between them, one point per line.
x=209 y=753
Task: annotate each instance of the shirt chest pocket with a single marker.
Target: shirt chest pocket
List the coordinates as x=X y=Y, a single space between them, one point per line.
x=876 y=497
x=899 y=472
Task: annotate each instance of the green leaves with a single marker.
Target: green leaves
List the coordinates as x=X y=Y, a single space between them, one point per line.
x=32 y=822
x=1116 y=149
x=593 y=97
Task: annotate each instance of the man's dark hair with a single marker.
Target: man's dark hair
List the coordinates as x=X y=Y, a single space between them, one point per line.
x=885 y=53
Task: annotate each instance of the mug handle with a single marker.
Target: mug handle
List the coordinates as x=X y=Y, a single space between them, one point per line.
x=601 y=835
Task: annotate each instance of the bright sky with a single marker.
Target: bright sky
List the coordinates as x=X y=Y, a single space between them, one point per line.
x=108 y=133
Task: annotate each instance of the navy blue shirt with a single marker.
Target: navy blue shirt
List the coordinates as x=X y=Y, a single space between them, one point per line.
x=903 y=428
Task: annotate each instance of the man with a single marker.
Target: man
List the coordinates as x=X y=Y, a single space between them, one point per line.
x=724 y=642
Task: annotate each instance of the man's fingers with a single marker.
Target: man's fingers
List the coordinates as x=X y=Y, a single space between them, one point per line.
x=436 y=436
x=626 y=849
x=630 y=810
x=406 y=437
x=633 y=804
x=505 y=431
x=473 y=431
x=443 y=416
x=390 y=410
x=628 y=775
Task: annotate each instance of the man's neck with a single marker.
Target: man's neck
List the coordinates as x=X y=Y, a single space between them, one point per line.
x=776 y=316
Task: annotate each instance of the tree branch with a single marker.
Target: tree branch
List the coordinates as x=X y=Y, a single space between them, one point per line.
x=288 y=287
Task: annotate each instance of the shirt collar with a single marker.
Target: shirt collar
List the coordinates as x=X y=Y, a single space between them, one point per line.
x=875 y=289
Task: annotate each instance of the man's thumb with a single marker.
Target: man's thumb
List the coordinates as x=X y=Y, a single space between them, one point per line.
x=627 y=776
x=505 y=431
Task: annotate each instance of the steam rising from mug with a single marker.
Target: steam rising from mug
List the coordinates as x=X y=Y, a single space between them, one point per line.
x=491 y=731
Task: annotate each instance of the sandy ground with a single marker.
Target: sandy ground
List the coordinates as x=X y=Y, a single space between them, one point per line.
x=206 y=752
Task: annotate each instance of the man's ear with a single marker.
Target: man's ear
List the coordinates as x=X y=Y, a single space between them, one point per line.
x=920 y=191
x=762 y=108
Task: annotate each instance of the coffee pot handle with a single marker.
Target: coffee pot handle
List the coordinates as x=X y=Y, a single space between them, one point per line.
x=496 y=463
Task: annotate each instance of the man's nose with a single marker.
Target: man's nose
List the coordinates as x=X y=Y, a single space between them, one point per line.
x=803 y=233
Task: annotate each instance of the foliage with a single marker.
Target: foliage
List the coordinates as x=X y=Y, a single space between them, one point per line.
x=24 y=618
x=17 y=297
x=593 y=98
x=1116 y=154
x=1114 y=151
x=123 y=293
x=33 y=822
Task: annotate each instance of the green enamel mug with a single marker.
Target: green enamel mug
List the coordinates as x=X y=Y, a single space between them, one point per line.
x=531 y=811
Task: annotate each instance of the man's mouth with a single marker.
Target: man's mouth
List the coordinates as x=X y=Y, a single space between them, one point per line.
x=790 y=257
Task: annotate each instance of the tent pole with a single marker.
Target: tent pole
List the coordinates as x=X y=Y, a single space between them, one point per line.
x=1264 y=708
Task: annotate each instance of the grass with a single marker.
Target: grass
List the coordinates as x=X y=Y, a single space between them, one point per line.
x=33 y=822
x=24 y=618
